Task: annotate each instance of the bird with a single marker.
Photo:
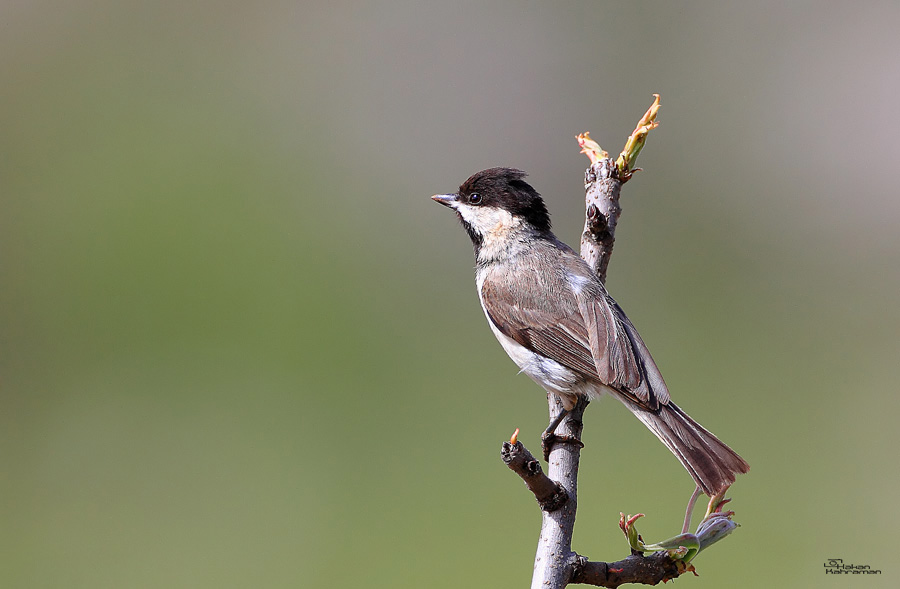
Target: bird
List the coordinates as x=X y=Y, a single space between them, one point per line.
x=555 y=319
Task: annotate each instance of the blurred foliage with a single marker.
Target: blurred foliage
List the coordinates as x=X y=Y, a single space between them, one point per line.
x=241 y=347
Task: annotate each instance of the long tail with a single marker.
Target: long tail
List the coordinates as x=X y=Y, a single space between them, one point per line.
x=710 y=462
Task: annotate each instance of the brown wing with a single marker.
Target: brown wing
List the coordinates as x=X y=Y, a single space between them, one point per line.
x=622 y=360
x=587 y=333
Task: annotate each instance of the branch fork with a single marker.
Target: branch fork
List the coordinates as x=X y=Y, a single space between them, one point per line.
x=556 y=564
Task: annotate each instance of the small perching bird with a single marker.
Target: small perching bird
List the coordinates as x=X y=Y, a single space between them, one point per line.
x=554 y=318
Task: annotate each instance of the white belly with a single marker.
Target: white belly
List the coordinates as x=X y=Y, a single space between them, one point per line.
x=550 y=374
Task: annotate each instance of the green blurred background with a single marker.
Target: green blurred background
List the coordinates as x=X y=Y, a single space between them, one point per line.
x=242 y=348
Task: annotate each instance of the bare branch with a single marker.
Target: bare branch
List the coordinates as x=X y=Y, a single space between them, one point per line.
x=648 y=570
x=555 y=564
x=602 y=184
x=554 y=560
x=550 y=495
x=602 y=210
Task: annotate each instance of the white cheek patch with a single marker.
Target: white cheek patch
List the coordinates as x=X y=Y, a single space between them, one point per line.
x=468 y=215
x=486 y=220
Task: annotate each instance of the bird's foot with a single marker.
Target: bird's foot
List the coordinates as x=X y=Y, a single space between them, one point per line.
x=548 y=439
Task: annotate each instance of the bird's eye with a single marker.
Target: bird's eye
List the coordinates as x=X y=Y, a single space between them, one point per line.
x=474 y=199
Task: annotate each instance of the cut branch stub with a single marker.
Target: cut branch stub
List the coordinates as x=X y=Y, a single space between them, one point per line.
x=550 y=495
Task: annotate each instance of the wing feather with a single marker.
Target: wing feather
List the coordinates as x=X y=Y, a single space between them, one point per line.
x=585 y=330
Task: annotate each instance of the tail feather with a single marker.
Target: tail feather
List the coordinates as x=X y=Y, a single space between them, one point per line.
x=710 y=462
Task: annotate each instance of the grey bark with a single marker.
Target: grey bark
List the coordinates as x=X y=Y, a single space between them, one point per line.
x=554 y=561
x=601 y=196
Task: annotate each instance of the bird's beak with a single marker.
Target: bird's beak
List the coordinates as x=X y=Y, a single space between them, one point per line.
x=448 y=200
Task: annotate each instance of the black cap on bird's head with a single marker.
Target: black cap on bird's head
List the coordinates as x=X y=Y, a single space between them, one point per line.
x=506 y=188
x=496 y=201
